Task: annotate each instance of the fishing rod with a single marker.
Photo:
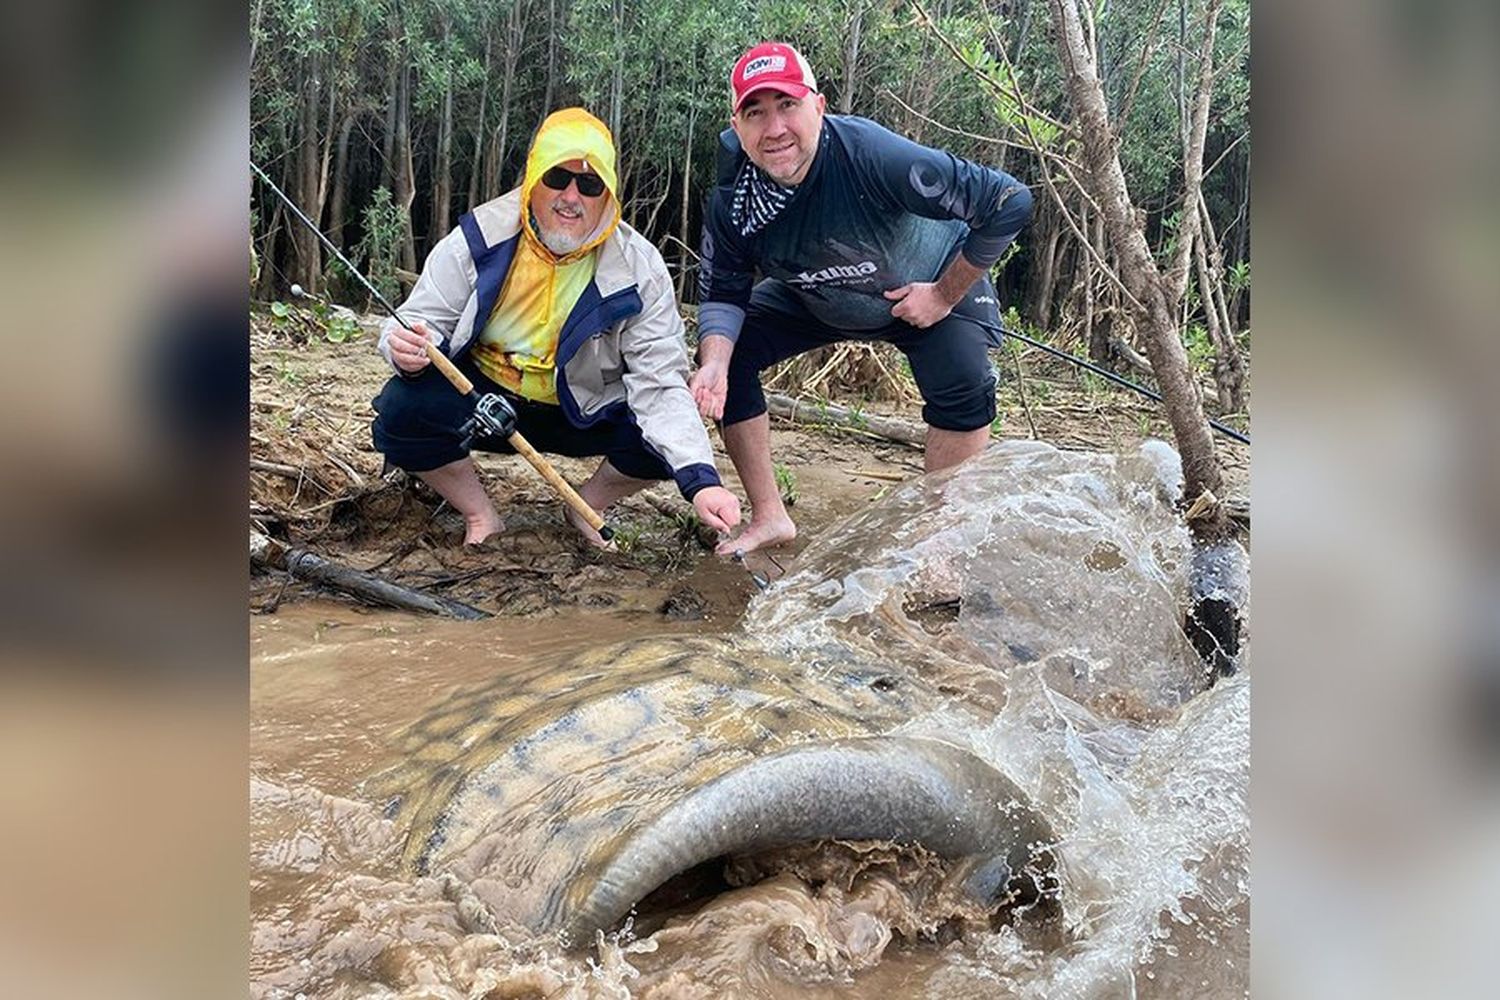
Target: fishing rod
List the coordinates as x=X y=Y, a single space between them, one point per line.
x=493 y=416
x=1104 y=372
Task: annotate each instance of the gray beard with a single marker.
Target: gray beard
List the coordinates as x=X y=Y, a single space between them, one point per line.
x=562 y=244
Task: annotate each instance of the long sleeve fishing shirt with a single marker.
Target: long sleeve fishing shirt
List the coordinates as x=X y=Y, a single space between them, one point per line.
x=875 y=212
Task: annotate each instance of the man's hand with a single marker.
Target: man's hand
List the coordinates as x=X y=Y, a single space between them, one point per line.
x=920 y=303
x=717 y=507
x=710 y=383
x=409 y=350
x=924 y=303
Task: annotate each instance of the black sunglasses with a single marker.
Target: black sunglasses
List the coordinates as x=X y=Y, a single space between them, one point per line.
x=589 y=185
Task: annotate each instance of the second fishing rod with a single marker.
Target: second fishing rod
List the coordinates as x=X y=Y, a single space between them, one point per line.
x=493 y=414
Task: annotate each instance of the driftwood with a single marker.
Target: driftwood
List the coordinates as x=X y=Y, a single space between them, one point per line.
x=842 y=416
x=305 y=565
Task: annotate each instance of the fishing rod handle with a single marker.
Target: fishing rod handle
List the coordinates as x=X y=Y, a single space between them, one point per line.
x=557 y=482
x=449 y=369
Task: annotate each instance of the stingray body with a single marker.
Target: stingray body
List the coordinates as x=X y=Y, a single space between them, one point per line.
x=566 y=793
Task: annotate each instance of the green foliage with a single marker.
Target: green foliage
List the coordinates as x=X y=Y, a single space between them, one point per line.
x=380 y=247
x=1239 y=277
x=627 y=537
x=658 y=69
x=786 y=484
x=316 y=318
x=1200 y=347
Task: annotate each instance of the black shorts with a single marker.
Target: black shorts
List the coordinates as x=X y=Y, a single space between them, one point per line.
x=418 y=427
x=949 y=360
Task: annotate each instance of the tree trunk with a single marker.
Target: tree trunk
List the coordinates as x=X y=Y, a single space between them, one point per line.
x=1192 y=161
x=1049 y=230
x=309 y=252
x=1154 y=310
x=687 y=200
x=515 y=38
x=405 y=191
x=851 y=58
x=1021 y=33
x=1096 y=344
x=1237 y=311
x=617 y=72
x=338 y=201
x=477 y=166
x=1229 y=366
x=442 y=170
x=551 y=58
x=265 y=289
x=392 y=100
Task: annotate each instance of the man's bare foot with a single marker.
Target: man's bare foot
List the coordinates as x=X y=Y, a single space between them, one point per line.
x=589 y=534
x=760 y=534
x=478 y=527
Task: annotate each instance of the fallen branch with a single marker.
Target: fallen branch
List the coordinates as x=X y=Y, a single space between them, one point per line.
x=829 y=415
x=304 y=565
x=289 y=471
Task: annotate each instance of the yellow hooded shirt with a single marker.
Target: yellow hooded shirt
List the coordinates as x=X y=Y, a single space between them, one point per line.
x=518 y=347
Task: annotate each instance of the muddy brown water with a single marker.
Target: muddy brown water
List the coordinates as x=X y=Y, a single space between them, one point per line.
x=332 y=687
x=1044 y=612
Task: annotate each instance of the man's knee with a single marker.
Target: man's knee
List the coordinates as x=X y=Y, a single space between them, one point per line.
x=412 y=403
x=416 y=427
x=964 y=405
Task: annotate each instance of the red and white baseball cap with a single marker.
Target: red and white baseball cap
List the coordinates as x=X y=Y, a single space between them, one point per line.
x=771 y=66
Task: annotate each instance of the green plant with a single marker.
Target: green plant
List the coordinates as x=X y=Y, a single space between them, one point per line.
x=285 y=373
x=337 y=327
x=1200 y=348
x=380 y=247
x=319 y=317
x=285 y=316
x=786 y=484
x=627 y=536
x=1239 y=276
x=1093 y=384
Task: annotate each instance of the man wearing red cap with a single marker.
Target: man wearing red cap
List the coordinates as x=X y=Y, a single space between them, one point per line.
x=859 y=234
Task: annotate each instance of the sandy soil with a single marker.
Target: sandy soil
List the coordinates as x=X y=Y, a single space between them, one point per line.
x=317 y=483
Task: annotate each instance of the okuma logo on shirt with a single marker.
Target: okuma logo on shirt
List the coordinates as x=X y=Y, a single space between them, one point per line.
x=837 y=272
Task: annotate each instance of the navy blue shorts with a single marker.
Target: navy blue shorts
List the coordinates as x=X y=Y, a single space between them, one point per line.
x=418 y=420
x=949 y=360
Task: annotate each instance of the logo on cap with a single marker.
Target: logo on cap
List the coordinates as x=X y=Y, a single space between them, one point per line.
x=765 y=64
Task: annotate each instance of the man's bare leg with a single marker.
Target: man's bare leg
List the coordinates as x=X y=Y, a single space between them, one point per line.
x=749 y=445
x=458 y=483
x=604 y=487
x=946 y=449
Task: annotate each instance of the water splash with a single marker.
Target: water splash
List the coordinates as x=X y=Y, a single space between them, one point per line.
x=1041 y=592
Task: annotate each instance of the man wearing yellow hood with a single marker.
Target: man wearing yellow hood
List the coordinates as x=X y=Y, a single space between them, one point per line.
x=545 y=296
